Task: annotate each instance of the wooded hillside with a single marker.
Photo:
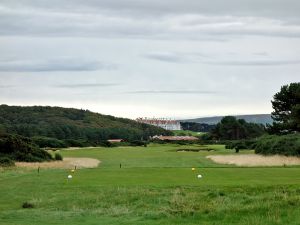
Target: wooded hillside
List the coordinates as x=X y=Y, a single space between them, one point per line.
x=69 y=123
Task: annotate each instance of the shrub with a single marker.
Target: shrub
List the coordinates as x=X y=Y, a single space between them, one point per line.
x=288 y=145
x=19 y=148
x=58 y=156
x=241 y=144
x=138 y=143
x=77 y=143
x=27 y=205
x=6 y=162
x=105 y=144
x=44 y=142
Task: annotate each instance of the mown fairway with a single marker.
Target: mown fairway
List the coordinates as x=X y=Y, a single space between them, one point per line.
x=154 y=186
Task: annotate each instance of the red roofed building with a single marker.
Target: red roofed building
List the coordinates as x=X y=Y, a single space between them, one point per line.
x=163 y=123
x=175 y=138
x=115 y=140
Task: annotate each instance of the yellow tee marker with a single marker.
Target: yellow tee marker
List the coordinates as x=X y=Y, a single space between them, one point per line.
x=72 y=171
x=193 y=169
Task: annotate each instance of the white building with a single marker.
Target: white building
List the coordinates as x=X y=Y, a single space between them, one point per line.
x=167 y=124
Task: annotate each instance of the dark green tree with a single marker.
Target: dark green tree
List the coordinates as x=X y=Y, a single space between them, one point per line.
x=20 y=148
x=45 y=124
x=232 y=129
x=286 y=114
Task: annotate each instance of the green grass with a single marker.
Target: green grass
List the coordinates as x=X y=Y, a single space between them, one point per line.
x=153 y=156
x=154 y=186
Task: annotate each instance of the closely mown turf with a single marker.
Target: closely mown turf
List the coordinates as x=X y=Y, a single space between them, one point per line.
x=154 y=186
x=154 y=156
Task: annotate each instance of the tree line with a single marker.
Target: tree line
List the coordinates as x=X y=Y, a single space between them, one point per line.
x=281 y=137
x=72 y=124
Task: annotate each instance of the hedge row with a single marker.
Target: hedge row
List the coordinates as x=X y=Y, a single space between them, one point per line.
x=241 y=144
x=288 y=145
x=45 y=142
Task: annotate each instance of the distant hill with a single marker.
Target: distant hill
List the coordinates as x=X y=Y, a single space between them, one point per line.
x=255 y=118
x=69 y=123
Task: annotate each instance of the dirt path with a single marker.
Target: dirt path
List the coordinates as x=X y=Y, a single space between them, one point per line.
x=255 y=160
x=67 y=163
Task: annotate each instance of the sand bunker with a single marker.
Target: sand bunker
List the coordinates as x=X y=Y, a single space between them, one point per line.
x=67 y=163
x=255 y=160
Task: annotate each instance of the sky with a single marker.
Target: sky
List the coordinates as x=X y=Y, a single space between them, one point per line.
x=142 y=58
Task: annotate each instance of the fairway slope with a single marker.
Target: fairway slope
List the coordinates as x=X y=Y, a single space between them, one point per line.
x=149 y=186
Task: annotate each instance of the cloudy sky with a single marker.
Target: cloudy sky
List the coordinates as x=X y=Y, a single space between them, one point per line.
x=130 y=58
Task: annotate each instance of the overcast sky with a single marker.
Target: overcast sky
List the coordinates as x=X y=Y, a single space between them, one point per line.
x=132 y=58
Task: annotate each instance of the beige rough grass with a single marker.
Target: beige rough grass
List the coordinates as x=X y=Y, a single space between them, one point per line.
x=255 y=160
x=67 y=163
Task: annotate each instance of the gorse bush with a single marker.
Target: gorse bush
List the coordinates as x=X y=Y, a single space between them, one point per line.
x=43 y=142
x=27 y=205
x=19 y=148
x=78 y=143
x=241 y=144
x=6 y=162
x=288 y=145
x=58 y=156
x=138 y=143
x=46 y=142
x=105 y=144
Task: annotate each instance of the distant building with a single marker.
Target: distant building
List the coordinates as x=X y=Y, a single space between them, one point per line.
x=167 y=124
x=115 y=140
x=175 y=138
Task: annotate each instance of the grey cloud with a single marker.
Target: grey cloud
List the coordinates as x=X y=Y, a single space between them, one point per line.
x=178 y=57
x=7 y=86
x=90 y=85
x=274 y=8
x=145 y=37
x=185 y=21
x=253 y=62
x=171 y=92
x=50 y=65
x=187 y=57
x=165 y=56
x=260 y=53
